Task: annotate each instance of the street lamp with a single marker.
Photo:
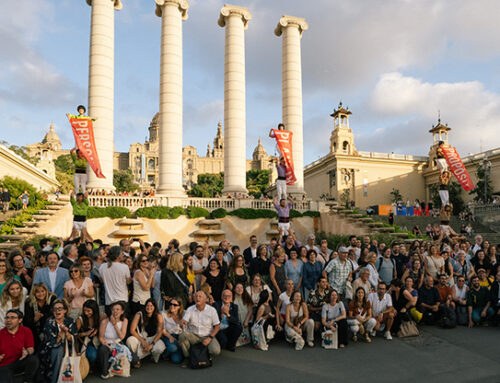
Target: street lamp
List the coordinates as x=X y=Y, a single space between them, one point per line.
x=487 y=167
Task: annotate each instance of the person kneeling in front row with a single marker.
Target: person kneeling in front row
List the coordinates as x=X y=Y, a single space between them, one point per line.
x=230 y=327
x=16 y=349
x=201 y=324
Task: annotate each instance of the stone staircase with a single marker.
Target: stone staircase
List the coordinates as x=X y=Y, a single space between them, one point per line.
x=209 y=230
x=32 y=228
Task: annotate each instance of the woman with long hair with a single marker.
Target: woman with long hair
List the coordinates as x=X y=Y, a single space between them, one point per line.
x=333 y=317
x=245 y=305
x=297 y=322
x=311 y=271
x=144 y=281
x=434 y=263
x=173 y=282
x=277 y=274
x=214 y=276
x=360 y=315
x=260 y=264
x=256 y=288
x=172 y=319
x=13 y=297
x=493 y=260
x=264 y=310
x=87 y=326
x=146 y=331
x=237 y=272
x=6 y=274
x=414 y=272
x=112 y=331
x=77 y=290
x=40 y=261
x=480 y=261
x=293 y=269
x=37 y=309
x=188 y=271
x=58 y=329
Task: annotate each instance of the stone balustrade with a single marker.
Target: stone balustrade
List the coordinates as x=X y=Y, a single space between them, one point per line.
x=133 y=203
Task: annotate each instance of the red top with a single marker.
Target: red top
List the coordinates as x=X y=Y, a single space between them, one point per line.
x=11 y=345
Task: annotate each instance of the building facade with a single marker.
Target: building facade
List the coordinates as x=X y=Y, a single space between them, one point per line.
x=367 y=178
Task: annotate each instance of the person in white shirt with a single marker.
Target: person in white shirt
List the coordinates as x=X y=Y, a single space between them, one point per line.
x=311 y=238
x=353 y=241
x=201 y=324
x=200 y=263
x=478 y=243
x=382 y=310
x=115 y=276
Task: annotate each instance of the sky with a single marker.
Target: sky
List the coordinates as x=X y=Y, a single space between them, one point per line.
x=395 y=63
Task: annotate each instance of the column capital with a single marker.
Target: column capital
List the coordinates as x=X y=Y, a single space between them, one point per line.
x=287 y=21
x=117 y=3
x=229 y=10
x=182 y=5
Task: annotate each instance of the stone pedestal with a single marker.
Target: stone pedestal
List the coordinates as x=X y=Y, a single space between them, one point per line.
x=101 y=87
x=235 y=20
x=291 y=29
x=172 y=13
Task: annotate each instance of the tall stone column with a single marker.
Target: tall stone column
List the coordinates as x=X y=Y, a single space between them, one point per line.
x=291 y=28
x=101 y=87
x=235 y=19
x=172 y=13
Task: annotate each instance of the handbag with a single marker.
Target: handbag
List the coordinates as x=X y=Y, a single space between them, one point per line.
x=84 y=362
x=258 y=336
x=119 y=361
x=199 y=356
x=70 y=366
x=329 y=340
x=244 y=338
x=407 y=329
x=270 y=333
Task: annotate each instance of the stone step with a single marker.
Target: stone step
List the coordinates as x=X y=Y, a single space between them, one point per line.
x=64 y=198
x=209 y=232
x=14 y=237
x=375 y=224
x=25 y=230
x=54 y=207
x=31 y=224
x=209 y=222
x=385 y=229
x=41 y=217
x=7 y=246
x=345 y=211
x=273 y=232
x=399 y=235
x=366 y=220
x=47 y=212
x=59 y=203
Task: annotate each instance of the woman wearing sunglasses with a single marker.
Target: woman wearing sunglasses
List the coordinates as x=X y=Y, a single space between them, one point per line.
x=77 y=290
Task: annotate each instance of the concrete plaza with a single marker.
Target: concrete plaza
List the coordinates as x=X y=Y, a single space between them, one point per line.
x=437 y=355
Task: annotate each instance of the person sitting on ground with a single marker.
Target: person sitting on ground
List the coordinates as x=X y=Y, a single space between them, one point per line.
x=245 y=311
x=146 y=331
x=112 y=331
x=37 y=309
x=360 y=315
x=171 y=330
x=201 y=324
x=17 y=349
x=429 y=301
x=58 y=329
x=382 y=310
x=264 y=311
x=52 y=276
x=478 y=303
x=316 y=300
x=87 y=326
x=297 y=321
x=484 y=279
x=283 y=301
x=333 y=317
x=230 y=327
x=256 y=287
x=445 y=296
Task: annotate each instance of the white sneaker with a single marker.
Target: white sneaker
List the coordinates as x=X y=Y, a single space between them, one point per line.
x=388 y=335
x=107 y=376
x=373 y=333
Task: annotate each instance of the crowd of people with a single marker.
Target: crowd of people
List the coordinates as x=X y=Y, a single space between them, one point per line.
x=145 y=300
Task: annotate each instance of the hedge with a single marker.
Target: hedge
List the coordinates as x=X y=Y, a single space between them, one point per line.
x=247 y=213
x=154 y=212
x=311 y=213
x=197 y=212
x=23 y=216
x=218 y=213
x=110 y=211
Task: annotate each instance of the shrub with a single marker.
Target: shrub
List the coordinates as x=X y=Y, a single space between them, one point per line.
x=246 y=213
x=154 y=212
x=176 y=212
x=295 y=213
x=23 y=216
x=16 y=187
x=311 y=213
x=110 y=211
x=218 y=213
x=196 y=212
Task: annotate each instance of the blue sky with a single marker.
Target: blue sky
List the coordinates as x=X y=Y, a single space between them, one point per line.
x=394 y=63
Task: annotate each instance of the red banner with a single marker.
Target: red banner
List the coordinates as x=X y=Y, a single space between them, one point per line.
x=457 y=167
x=84 y=138
x=284 y=141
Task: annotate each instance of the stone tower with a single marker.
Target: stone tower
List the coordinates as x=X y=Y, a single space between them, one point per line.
x=218 y=150
x=342 y=138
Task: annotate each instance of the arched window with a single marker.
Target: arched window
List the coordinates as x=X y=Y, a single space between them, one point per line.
x=345 y=147
x=151 y=163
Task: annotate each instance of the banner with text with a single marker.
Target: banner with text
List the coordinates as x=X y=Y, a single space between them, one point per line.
x=284 y=141
x=84 y=138
x=457 y=167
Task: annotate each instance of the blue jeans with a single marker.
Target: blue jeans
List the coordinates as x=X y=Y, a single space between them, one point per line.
x=91 y=353
x=476 y=314
x=173 y=350
x=56 y=356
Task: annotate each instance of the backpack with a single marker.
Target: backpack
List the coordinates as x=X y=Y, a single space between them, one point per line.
x=199 y=356
x=380 y=263
x=448 y=317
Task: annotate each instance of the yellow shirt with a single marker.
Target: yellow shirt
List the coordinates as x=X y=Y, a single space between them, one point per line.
x=190 y=276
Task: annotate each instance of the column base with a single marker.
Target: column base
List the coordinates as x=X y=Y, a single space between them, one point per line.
x=171 y=192
x=233 y=190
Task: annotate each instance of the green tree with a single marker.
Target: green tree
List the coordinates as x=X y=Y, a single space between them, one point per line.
x=257 y=182
x=66 y=181
x=64 y=164
x=396 y=195
x=208 y=185
x=455 y=190
x=123 y=180
x=483 y=177
x=20 y=151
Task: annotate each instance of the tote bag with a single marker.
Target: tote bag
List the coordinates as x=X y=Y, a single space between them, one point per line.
x=70 y=366
x=329 y=339
x=244 y=338
x=119 y=363
x=258 y=335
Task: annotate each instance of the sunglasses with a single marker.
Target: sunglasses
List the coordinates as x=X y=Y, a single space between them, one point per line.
x=174 y=304
x=74 y=271
x=144 y=260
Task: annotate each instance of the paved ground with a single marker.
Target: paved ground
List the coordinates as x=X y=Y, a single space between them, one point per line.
x=457 y=355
